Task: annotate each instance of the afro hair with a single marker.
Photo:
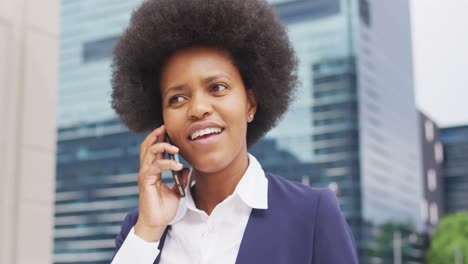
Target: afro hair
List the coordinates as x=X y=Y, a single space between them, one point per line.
x=248 y=30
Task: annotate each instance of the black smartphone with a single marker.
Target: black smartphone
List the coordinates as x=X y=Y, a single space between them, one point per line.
x=176 y=174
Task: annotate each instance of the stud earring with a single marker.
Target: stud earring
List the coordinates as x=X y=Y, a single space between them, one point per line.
x=251 y=116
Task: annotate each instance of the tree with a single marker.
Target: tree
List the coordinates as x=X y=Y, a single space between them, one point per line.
x=381 y=246
x=451 y=236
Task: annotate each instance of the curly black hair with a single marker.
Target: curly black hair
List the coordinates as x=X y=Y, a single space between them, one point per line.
x=248 y=30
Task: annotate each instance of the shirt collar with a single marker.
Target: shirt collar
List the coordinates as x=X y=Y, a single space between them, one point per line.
x=252 y=189
x=253 y=186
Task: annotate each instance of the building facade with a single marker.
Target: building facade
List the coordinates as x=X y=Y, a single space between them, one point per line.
x=432 y=207
x=455 y=168
x=353 y=126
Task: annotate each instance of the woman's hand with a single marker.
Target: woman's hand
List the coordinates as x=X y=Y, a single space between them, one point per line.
x=157 y=203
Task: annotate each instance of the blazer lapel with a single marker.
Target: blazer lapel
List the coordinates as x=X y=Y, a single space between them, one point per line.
x=258 y=242
x=161 y=245
x=254 y=246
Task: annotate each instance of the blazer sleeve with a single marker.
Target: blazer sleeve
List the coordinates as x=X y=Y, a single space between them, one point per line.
x=127 y=225
x=333 y=240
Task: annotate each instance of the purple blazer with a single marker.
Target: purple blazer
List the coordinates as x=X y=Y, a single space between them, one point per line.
x=301 y=225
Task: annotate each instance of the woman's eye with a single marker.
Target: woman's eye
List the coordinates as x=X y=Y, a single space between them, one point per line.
x=218 y=88
x=176 y=99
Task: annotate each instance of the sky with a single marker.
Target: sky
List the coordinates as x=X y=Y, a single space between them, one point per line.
x=440 y=57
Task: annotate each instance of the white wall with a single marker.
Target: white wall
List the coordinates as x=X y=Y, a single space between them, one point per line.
x=28 y=84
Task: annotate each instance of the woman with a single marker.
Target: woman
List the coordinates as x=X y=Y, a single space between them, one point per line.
x=215 y=76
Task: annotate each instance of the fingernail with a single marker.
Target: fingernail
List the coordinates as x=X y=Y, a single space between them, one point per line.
x=179 y=166
x=175 y=148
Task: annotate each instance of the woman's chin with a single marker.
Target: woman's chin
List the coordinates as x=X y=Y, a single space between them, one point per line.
x=206 y=167
x=208 y=163
x=215 y=160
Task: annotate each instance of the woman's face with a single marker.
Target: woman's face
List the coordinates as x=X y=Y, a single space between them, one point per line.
x=206 y=108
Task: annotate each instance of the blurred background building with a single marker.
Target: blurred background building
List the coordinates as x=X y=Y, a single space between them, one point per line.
x=433 y=181
x=96 y=173
x=97 y=158
x=28 y=86
x=353 y=128
x=455 y=168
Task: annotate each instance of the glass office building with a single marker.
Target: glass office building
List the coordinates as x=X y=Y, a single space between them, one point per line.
x=353 y=126
x=96 y=165
x=455 y=168
x=97 y=159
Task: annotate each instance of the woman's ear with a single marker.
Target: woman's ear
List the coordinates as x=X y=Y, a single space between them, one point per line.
x=251 y=105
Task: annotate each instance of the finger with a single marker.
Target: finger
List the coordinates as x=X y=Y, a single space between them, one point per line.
x=160 y=148
x=158 y=132
x=147 y=179
x=163 y=164
x=151 y=139
x=156 y=152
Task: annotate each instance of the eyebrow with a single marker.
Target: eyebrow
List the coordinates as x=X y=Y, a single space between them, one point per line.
x=214 y=77
x=177 y=88
x=206 y=80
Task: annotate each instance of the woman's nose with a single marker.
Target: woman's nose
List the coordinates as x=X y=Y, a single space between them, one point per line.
x=200 y=107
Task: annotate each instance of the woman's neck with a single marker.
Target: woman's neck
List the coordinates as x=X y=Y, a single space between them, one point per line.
x=213 y=188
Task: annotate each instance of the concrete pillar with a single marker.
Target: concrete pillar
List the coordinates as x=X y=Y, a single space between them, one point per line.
x=28 y=86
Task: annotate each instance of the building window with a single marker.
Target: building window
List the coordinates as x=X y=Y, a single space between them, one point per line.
x=306 y=180
x=82 y=153
x=334 y=172
x=334 y=188
x=99 y=49
x=431 y=180
x=438 y=152
x=429 y=130
x=364 y=12
x=296 y=10
x=424 y=210
x=434 y=214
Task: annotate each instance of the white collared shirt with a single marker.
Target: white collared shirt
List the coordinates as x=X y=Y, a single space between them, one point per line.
x=196 y=237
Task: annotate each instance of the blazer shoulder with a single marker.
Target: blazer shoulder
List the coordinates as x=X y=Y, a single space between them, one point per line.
x=294 y=190
x=291 y=194
x=131 y=218
x=332 y=232
x=317 y=212
x=129 y=221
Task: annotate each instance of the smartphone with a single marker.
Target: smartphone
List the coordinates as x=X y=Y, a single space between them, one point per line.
x=176 y=174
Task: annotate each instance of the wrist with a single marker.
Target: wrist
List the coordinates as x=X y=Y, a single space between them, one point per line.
x=147 y=233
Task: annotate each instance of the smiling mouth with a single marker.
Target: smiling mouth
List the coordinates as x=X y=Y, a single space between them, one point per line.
x=205 y=133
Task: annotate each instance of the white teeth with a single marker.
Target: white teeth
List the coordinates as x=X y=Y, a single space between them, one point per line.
x=205 y=131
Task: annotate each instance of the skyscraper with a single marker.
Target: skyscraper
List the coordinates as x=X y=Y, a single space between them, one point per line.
x=353 y=127
x=355 y=115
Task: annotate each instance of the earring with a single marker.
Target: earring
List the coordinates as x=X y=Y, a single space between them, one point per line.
x=251 y=116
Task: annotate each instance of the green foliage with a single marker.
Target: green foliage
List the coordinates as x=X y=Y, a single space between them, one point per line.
x=451 y=234
x=381 y=246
